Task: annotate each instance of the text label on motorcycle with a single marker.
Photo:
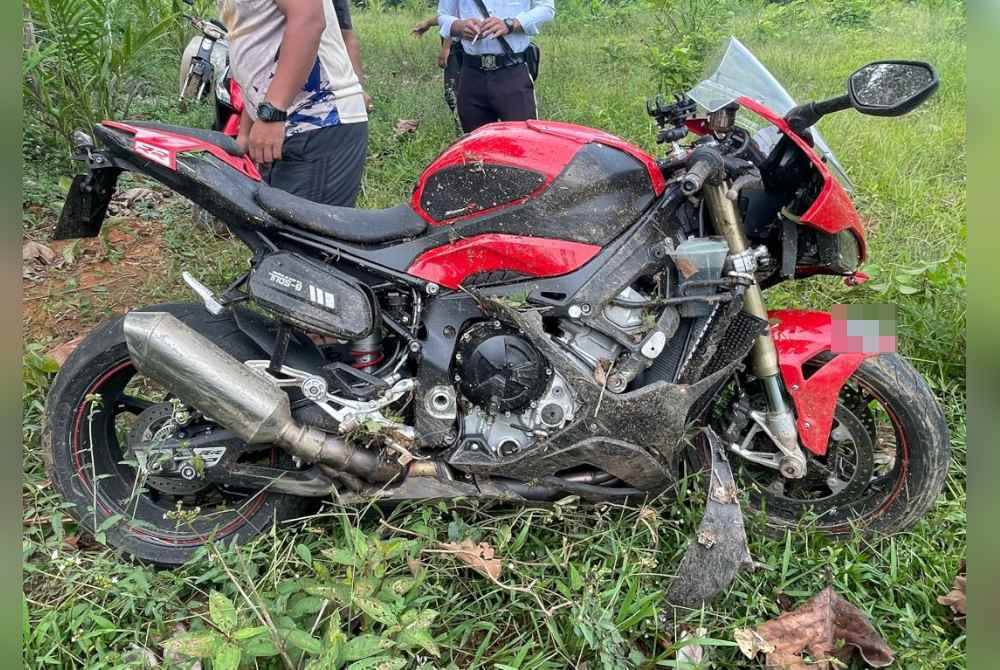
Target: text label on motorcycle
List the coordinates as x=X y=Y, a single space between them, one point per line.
x=316 y=295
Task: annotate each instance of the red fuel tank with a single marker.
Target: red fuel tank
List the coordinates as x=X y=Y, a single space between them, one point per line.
x=503 y=165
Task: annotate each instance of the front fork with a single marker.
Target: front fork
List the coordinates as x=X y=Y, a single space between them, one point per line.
x=780 y=420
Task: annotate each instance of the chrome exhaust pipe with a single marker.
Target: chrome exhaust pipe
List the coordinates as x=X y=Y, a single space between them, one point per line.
x=237 y=398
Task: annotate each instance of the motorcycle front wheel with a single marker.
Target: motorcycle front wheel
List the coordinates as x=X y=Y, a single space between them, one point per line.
x=95 y=408
x=886 y=461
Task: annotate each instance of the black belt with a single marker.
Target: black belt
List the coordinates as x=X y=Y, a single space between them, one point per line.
x=490 y=62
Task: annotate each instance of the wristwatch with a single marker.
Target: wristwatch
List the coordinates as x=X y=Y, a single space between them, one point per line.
x=510 y=25
x=268 y=113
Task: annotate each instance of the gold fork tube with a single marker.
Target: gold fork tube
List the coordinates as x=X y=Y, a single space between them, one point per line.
x=764 y=356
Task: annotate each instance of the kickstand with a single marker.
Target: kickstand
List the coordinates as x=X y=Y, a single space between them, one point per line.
x=719 y=550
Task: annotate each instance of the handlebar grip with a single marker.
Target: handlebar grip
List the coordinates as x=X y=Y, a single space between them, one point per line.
x=704 y=164
x=695 y=178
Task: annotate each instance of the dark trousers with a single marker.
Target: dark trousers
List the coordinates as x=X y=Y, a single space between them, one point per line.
x=507 y=94
x=323 y=165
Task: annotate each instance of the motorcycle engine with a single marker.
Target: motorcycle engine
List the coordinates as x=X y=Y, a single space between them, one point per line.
x=500 y=370
x=511 y=395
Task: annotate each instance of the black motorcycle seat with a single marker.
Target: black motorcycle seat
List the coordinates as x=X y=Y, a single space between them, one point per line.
x=362 y=226
x=224 y=142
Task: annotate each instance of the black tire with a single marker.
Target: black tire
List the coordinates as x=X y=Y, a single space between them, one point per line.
x=76 y=436
x=897 y=498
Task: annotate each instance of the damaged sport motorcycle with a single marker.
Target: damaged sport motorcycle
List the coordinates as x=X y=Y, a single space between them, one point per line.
x=553 y=312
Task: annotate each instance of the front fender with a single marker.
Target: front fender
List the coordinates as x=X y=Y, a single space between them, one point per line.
x=800 y=336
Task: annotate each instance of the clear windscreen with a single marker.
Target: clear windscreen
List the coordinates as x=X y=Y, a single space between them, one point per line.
x=737 y=73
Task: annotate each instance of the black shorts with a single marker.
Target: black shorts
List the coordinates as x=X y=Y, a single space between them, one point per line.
x=323 y=165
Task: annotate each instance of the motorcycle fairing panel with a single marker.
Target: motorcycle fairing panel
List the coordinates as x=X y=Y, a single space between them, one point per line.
x=832 y=211
x=800 y=336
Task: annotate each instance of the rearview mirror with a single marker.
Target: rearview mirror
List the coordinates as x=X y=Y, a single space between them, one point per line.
x=892 y=87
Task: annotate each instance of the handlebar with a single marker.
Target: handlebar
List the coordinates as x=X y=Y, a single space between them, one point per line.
x=704 y=164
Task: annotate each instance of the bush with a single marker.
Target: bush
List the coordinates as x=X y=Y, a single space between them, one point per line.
x=688 y=30
x=82 y=58
x=850 y=13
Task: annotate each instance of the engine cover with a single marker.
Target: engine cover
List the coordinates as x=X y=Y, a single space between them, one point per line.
x=499 y=370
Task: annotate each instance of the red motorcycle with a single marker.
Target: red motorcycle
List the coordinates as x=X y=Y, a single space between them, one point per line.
x=554 y=312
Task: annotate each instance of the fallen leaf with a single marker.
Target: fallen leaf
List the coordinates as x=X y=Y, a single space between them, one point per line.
x=751 y=643
x=692 y=653
x=172 y=655
x=825 y=627
x=61 y=352
x=405 y=127
x=35 y=258
x=36 y=251
x=127 y=200
x=479 y=557
x=955 y=599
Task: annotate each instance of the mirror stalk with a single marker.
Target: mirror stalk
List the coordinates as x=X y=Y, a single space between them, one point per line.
x=805 y=116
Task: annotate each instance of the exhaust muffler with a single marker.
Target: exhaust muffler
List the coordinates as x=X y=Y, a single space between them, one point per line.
x=242 y=401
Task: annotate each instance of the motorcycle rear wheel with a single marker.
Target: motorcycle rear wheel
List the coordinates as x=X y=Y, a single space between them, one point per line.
x=886 y=463
x=95 y=397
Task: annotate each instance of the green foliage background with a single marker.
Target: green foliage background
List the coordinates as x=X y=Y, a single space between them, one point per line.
x=580 y=584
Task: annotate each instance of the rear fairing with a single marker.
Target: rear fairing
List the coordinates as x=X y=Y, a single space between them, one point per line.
x=192 y=168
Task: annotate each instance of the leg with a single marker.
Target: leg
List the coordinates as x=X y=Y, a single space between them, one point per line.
x=474 y=108
x=323 y=165
x=513 y=94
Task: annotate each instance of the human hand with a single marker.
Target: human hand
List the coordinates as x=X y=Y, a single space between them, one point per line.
x=471 y=28
x=443 y=55
x=243 y=141
x=493 y=27
x=266 y=141
x=369 y=105
x=421 y=28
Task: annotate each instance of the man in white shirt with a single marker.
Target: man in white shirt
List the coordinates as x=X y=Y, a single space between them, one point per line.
x=305 y=120
x=495 y=84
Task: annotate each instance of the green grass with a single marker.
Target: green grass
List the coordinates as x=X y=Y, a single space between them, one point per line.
x=598 y=572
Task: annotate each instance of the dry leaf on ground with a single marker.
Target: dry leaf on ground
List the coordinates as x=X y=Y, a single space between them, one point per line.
x=955 y=599
x=173 y=659
x=692 y=653
x=61 y=352
x=35 y=257
x=823 y=628
x=127 y=200
x=751 y=643
x=479 y=557
x=405 y=126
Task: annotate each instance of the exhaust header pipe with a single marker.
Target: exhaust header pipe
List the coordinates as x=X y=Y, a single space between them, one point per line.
x=242 y=401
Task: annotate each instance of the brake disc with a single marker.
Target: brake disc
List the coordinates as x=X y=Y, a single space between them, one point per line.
x=838 y=480
x=148 y=428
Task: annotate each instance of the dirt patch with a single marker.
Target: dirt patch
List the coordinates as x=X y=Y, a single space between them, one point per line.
x=93 y=279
